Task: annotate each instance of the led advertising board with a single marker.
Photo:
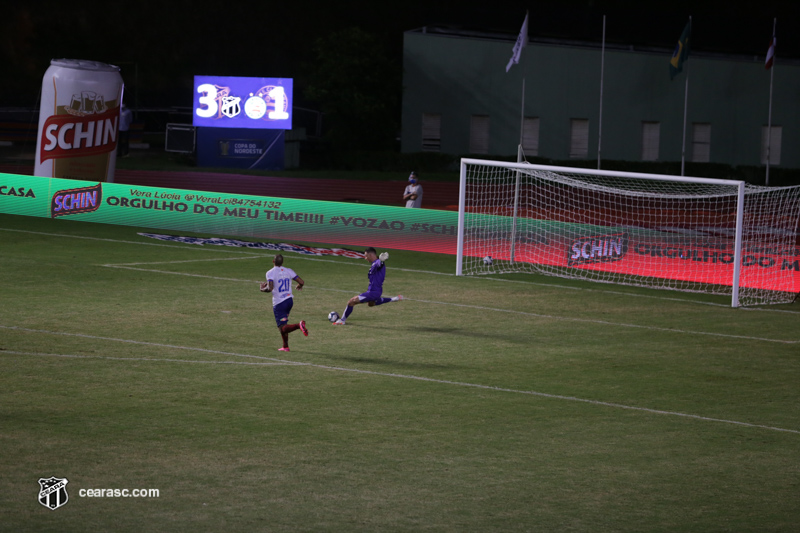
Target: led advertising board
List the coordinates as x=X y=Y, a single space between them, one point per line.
x=234 y=102
x=262 y=217
x=625 y=251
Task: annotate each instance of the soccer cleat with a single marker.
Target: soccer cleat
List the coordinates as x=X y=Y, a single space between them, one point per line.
x=398 y=298
x=303 y=328
x=283 y=349
x=339 y=322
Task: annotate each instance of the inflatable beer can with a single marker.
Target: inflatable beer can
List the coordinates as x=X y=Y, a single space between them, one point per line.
x=79 y=120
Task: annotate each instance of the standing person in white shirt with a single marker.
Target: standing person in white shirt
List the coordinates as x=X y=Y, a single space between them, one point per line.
x=279 y=283
x=413 y=192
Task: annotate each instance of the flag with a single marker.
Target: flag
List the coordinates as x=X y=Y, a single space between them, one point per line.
x=522 y=40
x=681 y=53
x=770 y=54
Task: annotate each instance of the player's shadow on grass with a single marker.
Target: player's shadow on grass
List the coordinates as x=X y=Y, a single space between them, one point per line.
x=388 y=362
x=482 y=333
x=431 y=329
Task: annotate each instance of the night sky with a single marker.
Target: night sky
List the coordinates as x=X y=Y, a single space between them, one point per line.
x=161 y=45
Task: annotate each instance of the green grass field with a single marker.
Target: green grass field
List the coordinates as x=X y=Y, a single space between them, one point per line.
x=519 y=403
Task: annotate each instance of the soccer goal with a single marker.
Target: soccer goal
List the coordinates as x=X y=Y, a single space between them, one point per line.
x=664 y=232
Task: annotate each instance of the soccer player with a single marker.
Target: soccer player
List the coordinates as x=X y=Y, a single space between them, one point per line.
x=279 y=283
x=373 y=296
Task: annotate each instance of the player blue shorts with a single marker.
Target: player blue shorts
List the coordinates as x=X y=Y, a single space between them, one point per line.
x=370 y=296
x=282 y=311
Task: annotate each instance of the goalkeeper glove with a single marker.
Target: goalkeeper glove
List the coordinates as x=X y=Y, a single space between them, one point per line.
x=384 y=256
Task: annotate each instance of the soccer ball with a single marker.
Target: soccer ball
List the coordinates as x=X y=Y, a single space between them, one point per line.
x=333 y=316
x=488 y=261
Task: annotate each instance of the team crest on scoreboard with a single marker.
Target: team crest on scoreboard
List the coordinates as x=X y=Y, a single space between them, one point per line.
x=230 y=106
x=53 y=492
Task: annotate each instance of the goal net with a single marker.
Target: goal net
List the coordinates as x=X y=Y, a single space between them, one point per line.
x=664 y=232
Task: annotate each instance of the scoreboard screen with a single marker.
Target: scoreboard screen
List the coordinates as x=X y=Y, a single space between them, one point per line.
x=235 y=102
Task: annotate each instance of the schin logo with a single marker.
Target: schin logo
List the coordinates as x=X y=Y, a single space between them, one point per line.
x=598 y=249
x=53 y=492
x=74 y=201
x=79 y=136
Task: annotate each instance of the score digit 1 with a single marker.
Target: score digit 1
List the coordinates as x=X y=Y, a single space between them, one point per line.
x=279 y=96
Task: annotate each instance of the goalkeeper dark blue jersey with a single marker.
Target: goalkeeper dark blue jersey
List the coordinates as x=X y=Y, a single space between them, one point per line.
x=376 y=275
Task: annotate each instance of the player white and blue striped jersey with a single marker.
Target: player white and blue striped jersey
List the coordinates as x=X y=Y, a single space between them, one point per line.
x=376 y=275
x=281 y=278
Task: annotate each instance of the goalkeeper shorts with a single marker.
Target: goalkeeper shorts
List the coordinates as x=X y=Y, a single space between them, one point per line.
x=370 y=296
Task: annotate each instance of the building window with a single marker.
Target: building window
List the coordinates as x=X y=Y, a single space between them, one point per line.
x=431 y=132
x=651 y=135
x=579 y=138
x=701 y=143
x=479 y=134
x=774 y=145
x=530 y=136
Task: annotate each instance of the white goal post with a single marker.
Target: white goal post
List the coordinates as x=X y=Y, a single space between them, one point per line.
x=650 y=230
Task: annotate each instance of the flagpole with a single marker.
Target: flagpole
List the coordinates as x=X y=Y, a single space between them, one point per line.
x=769 y=117
x=521 y=121
x=685 y=106
x=600 y=119
x=522 y=41
x=520 y=158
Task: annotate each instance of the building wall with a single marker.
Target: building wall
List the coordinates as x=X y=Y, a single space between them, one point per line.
x=458 y=77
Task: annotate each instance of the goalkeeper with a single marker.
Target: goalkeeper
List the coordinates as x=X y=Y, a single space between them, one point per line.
x=373 y=296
